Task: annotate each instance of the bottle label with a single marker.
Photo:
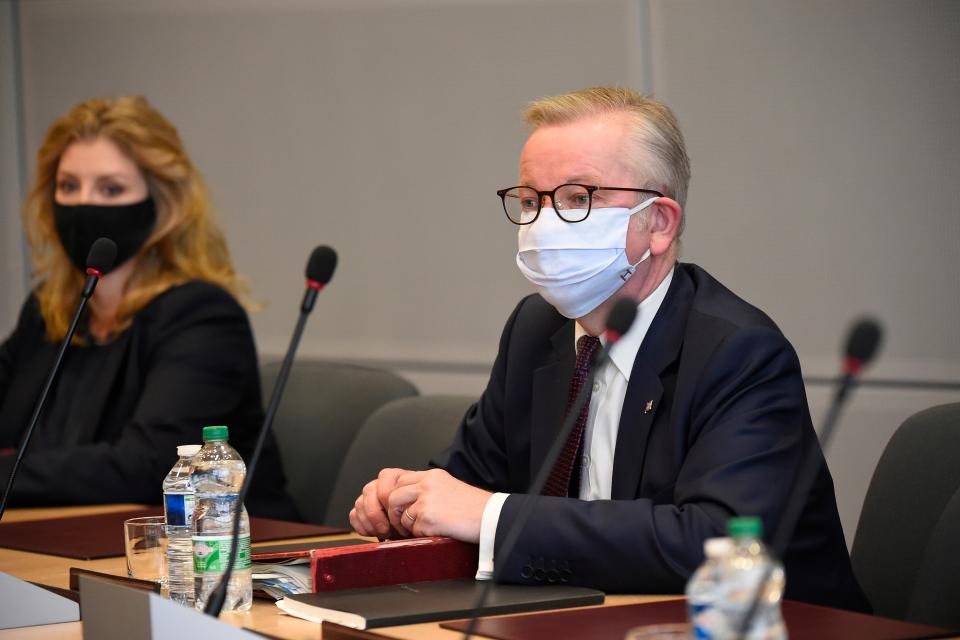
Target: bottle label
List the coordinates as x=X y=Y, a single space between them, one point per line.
x=178 y=508
x=212 y=553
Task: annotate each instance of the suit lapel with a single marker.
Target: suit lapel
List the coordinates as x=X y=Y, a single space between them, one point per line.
x=551 y=383
x=643 y=391
x=641 y=406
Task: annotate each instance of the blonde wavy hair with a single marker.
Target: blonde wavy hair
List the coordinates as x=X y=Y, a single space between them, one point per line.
x=187 y=242
x=654 y=130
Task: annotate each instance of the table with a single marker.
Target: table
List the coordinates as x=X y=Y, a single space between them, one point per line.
x=263 y=616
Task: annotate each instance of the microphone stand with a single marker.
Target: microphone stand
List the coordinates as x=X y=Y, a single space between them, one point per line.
x=93 y=276
x=219 y=595
x=805 y=477
x=535 y=488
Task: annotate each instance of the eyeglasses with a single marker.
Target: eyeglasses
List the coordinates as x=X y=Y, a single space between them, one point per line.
x=572 y=202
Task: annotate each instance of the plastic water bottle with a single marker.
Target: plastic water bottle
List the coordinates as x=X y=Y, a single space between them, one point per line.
x=741 y=571
x=704 y=588
x=218 y=473
x=178 y=511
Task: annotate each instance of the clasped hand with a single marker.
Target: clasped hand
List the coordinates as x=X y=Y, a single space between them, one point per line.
x=403 y=503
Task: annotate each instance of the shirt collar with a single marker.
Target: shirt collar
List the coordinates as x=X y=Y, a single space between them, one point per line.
x=624 y=352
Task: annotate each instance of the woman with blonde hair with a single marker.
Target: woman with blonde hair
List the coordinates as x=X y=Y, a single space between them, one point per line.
x=165 y=346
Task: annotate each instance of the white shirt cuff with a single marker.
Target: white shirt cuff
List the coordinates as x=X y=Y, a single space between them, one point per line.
x=488 y=534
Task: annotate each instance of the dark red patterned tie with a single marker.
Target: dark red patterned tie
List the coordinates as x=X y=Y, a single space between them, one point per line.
x=568 y=463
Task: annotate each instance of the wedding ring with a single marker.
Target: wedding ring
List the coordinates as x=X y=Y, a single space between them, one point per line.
x=407 y=515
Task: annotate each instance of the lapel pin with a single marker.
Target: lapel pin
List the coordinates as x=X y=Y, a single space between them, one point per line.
x=649 y=407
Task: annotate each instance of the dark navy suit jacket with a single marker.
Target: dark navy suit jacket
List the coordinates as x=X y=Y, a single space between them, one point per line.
x=728 y=430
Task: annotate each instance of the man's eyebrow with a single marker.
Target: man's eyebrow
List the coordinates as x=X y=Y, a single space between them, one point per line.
x=584 y=179
x=591 y=180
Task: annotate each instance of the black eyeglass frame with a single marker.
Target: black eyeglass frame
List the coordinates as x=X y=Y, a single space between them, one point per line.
x=590 y=188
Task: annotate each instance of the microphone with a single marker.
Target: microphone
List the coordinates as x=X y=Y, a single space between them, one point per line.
x=319 y=271
x=862 y=344
x=619 y=322
x=861 y=347
x=103 y=253
x=621 y=317
x=100 y=259
x=320 y=268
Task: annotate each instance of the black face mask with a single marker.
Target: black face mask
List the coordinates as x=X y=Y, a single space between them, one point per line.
x=129 y=225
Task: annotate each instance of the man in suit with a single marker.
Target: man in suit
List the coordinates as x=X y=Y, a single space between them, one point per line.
x=699 y=415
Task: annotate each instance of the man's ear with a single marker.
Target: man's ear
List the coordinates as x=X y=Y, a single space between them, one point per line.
x=663 y=218
x=663 y=224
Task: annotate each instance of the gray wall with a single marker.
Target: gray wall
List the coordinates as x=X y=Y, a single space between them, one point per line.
x=823 y=135
x=825 y=142
x=12 y=250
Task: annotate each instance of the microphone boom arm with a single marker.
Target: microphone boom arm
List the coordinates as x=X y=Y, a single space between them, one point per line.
x=320 y=268
x=533 y=493
x=38 y=408
x=219 y=595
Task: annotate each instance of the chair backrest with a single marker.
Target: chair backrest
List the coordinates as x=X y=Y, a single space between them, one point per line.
x=916 y=477
x=323 y=406
x=404 y=433
x=936 y=599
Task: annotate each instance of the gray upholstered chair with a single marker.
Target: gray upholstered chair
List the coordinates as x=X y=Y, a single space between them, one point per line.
x=936 y=598
x=324 y=405
x=404 y=433
x=902 y=542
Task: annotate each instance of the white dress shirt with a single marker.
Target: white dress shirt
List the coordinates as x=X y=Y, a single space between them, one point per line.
x=603 y=422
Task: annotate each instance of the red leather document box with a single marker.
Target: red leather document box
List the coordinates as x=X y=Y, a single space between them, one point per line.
x=351 y=565
x=392 y=562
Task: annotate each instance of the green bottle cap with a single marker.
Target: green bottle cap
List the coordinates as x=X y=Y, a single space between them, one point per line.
x=745 y=527
x=214 y=433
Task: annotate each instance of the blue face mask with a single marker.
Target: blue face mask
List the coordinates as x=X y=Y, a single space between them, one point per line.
x=577 y=266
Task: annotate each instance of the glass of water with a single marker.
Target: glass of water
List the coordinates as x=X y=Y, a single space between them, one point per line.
x=145 y=541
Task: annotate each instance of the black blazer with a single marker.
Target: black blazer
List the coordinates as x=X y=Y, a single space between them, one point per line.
x=188 y=360
x=728 y=430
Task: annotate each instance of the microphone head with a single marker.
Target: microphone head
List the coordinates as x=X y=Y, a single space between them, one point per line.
x=862 y=344
x=620 y=320
x=321 y=265
x=103 y=253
